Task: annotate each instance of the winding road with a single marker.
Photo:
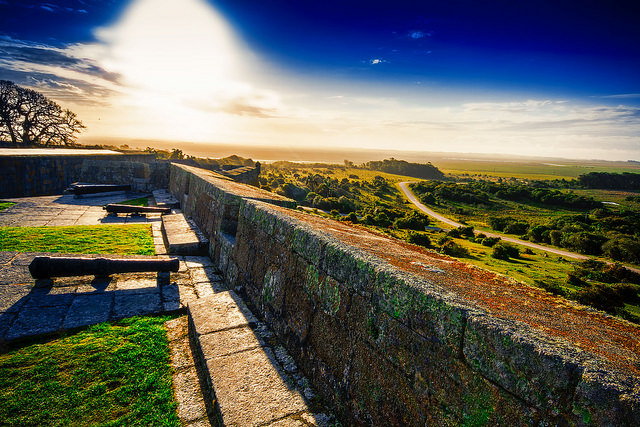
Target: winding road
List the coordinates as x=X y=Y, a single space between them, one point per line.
x=433 y=214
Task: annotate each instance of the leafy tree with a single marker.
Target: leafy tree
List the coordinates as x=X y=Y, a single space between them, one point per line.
x=27 y=117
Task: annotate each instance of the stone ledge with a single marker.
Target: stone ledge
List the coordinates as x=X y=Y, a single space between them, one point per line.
x=249 y=385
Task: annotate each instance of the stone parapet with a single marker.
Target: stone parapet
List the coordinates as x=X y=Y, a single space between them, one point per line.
x=23 y=176
x=393 y=334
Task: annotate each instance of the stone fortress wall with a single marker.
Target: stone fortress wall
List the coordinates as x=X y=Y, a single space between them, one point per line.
x=389 y=333
x=41 y=175
x=392 y=334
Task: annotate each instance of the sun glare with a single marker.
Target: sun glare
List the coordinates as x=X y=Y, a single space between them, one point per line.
x=178 y=62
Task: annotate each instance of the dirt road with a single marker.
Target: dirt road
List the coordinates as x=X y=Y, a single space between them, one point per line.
x=423 y=208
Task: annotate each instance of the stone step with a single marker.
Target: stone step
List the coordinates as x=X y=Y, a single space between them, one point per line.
x=252 y=384
x=165 y=199
x=182 y=237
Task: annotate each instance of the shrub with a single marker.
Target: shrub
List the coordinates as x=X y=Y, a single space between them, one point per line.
x=608 y=297
x=419 y=239
x=505 y=251
x=412 y=221
x=490 y=241
x=622 y=249
x=352 y=217
x=451 y=248
x=551 y=287
x=518 y=228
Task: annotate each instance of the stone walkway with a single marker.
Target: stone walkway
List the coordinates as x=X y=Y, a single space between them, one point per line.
x=30 y=308
x=68 y=210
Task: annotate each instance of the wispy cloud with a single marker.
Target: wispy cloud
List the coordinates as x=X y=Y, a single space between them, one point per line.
x=418 y=34
x=620 y=96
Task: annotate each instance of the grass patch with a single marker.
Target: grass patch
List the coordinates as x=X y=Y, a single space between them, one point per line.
x=142 y=201
x=5 y=205
x=111 y=374
x=84 y=239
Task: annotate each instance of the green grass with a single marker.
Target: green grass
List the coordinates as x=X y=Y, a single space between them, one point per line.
x=142 y=201
x=5 y=205
x=530 y=169
x=85 y=239
x=109 y=375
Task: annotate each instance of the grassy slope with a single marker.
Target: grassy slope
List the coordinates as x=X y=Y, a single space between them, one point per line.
x=107 y=239
x=5 y=205
x=111 y=374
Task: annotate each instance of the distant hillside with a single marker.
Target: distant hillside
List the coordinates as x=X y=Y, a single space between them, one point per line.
x=402 y=167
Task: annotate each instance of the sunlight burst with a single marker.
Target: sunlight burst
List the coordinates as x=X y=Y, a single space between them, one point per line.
x=178 y=63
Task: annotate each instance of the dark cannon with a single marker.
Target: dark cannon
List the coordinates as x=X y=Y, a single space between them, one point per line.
x=44 y=267
x=118 y=208
x=80 y=189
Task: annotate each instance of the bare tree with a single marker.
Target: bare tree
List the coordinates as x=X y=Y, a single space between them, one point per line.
x=27 y=117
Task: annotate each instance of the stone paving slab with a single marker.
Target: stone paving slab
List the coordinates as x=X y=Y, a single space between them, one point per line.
x=165 y=199
x=13 y=297
x=88 y=310
x=250 y=390
x=194 y=401
x=33 y=321
x=129 y=305
x=219 y=312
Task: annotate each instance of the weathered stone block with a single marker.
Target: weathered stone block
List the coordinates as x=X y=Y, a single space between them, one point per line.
x=606 y=397
x=229 y=341
x=250 y=389
x=220 y=311
x=538 y=370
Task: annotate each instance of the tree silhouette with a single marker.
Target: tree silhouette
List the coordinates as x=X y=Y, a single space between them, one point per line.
x=27 y=117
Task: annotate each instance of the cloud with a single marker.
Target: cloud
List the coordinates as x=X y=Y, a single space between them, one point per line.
x=419 y=34
x=242 y=107
x=28 y=56
x=620 y=96
x=376 y=61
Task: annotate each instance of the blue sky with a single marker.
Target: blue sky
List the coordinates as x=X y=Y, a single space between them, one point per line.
x=554 y=78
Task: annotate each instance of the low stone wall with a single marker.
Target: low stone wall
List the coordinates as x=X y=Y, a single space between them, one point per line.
x=22 y=176
x=393 y=334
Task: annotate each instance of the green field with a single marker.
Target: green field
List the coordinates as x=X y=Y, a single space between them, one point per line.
x=136 y=239
x=108 y=375
x=531 y=169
